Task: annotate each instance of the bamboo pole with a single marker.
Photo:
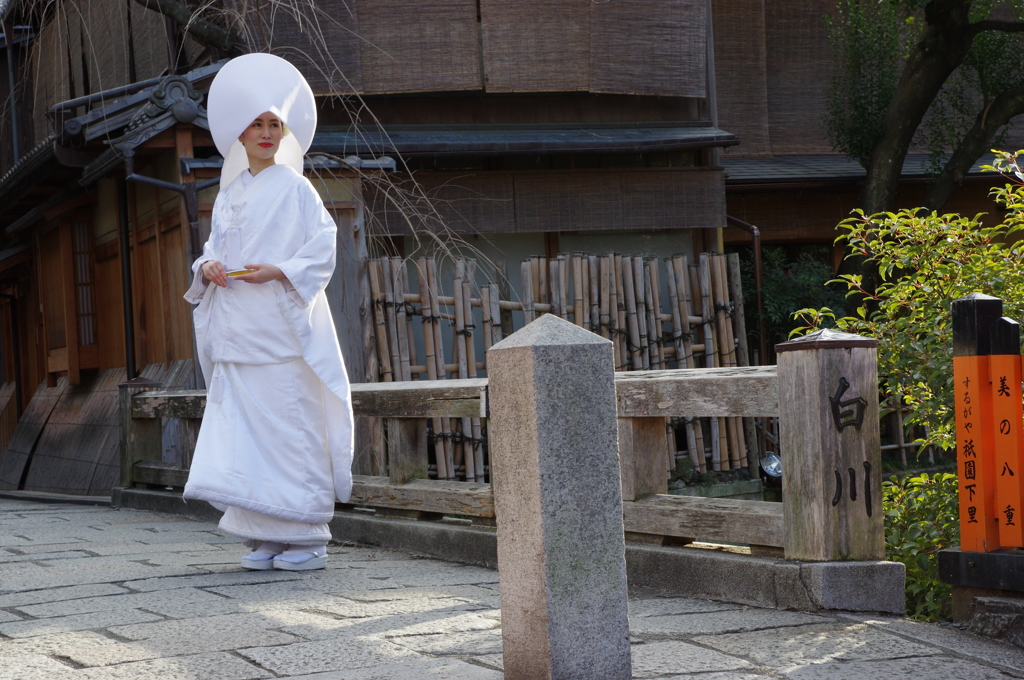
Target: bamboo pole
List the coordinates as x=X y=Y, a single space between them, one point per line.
x=389 y=308
x=461 y=455
x=742 y=350
x=496 y=327
x=719 y=438
x=637 y=270
x=735 y=423
x=578 y=317
x=446 y=426
x=526 y=270
x=380 y=322
x=681 y=271
x=475 y=454
x=402 y=321
x=555 y=279
x=485 y=315
x=620 y=314
x=725 y=342
x=632 y=324
x=604 y=301
x=427 y=308
x=592 y=274
x=563 y=285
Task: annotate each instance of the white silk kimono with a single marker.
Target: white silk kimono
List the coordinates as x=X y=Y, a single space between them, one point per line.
x=275 y=445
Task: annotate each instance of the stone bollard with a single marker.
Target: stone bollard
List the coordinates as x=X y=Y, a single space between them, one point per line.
x=555 y=472
x=831 y=450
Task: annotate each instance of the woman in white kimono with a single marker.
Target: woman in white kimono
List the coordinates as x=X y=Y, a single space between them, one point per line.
x=275 y=446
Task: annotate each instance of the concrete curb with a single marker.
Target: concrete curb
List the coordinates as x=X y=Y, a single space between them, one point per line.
x=45 y=497
x=694 y=572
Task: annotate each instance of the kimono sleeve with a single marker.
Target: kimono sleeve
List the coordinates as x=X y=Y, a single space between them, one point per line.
x=308 y=271
x=199 y=283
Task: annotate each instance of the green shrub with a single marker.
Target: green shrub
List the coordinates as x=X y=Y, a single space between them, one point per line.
x=920 y=520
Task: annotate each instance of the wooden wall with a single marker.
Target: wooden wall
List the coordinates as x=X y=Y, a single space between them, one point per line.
x=24 y=94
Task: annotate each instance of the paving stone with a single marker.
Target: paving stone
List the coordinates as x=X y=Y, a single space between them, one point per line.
x=393 y=626
x=927 y=668
x=818 y=644
x=59 y=594
x=676 y=605
x=494 y=661
x=6 y=617
x=468 y=592
x=351 y=609
x=470 y=643
x=160 y=602
x=948 y=639
x=57 y=644
x=181 y=644
x=719 y=622
x=218 y=665
x=656 y=659
x=326 y=655
x=22 y=629
x=238 y=577
x=413 y=668
x=49 y=548
x=32 y=667
x=253 y=625
x=61 y=555
x=23 y=576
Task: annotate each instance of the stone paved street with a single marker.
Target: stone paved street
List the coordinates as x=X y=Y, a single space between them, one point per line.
x=92 y=593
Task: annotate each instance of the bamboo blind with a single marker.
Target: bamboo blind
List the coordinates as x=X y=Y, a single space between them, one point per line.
x=535 y=46
x=799 y=64
x=654 y=47
x=411 y=47
x=741 y=74
x=659 y=314
x=496 y=202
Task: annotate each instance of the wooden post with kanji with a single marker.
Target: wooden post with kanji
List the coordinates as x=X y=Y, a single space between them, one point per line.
x=1008 y=416
x=973 y=319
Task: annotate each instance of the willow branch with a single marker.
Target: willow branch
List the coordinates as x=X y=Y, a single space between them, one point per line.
x=202 y=30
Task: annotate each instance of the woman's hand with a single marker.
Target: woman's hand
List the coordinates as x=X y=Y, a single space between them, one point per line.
x=262 y=274
x=214 y=271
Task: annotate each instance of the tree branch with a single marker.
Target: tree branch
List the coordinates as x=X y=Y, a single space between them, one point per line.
x=995 y=25
x=202 y=30
x=977 y=141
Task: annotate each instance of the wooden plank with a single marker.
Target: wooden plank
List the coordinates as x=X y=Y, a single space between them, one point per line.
x=169 y=404
x=67 y=273
x=706 y=519
x=420 y=398
x=159 y=473
x=712 y=392
x=642 y=457
x=407 y=449
x=742 y=391
x=140 y=438
x=456 y=498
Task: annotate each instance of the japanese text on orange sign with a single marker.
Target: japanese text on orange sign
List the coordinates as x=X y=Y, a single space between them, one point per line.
x=979 y=531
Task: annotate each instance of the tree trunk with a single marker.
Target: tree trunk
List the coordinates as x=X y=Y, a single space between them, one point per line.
x=976 y=142
x=943 y=45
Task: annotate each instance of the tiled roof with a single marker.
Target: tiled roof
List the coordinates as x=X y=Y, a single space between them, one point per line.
x=772 y=169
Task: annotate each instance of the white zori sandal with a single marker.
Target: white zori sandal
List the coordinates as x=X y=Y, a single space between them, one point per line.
x=302 y=557
x=262 y=558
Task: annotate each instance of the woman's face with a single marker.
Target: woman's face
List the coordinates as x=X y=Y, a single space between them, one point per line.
x=263 y=136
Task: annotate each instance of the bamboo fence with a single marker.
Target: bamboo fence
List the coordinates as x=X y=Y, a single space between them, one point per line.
x=660 y=314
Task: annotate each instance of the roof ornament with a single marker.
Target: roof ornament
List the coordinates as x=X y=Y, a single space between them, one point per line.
x=174 y=101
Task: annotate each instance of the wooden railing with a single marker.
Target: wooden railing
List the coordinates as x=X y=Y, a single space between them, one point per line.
x=644 y=400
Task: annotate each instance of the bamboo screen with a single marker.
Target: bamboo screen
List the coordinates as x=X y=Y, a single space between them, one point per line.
x=321 y=39
x=741 y=74
x=589 y=201
x=654 y=47
x=684 y=198
x=532 y=46
x=411 y=47
x=660 y=315
x=799 y=63
x=480 y=203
